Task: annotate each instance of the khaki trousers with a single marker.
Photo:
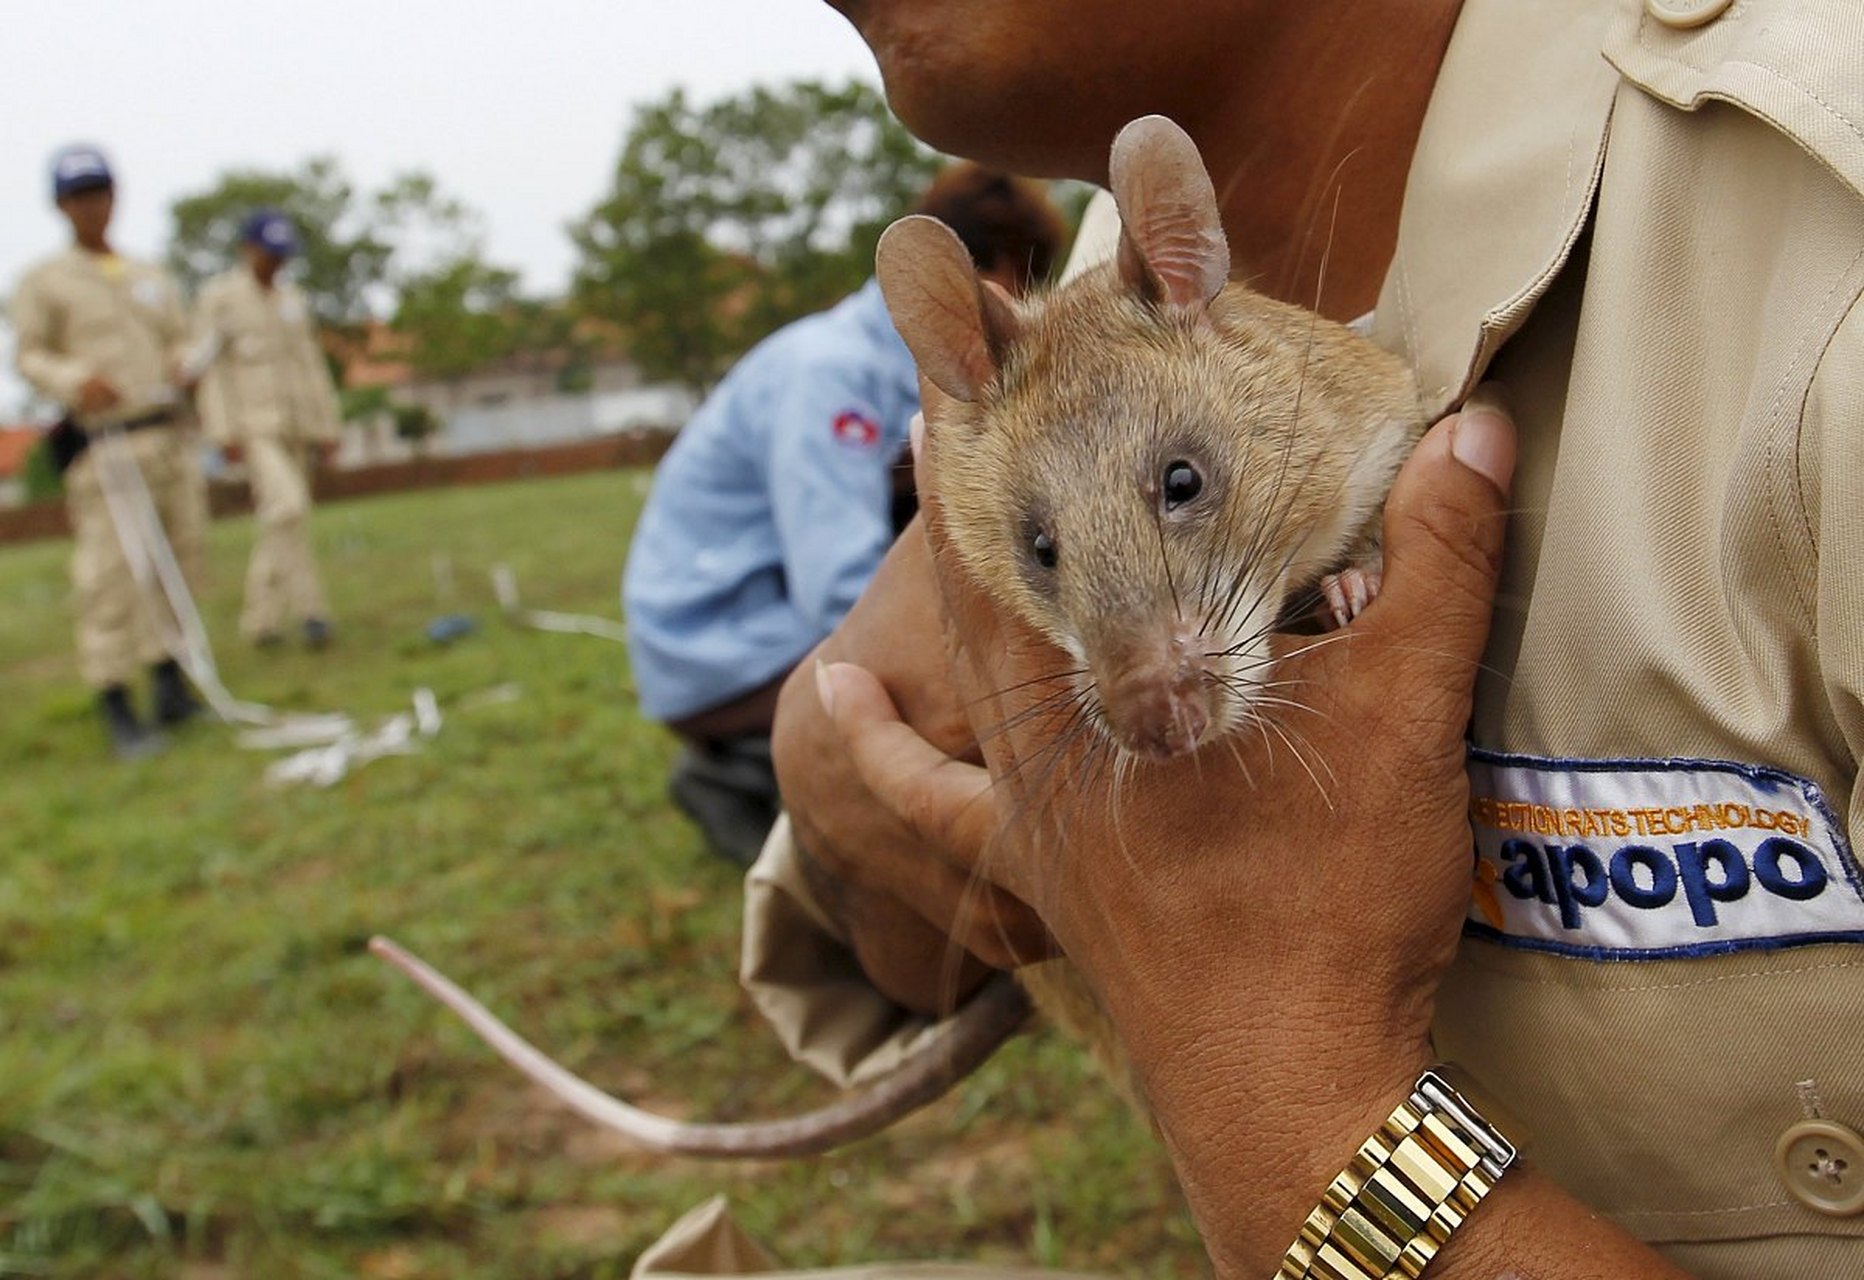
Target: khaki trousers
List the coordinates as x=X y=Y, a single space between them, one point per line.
x=281 y=581
x=117 y=633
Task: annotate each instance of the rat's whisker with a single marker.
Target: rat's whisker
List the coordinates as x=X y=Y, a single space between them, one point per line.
x=1333 y=637
x=1282 y=732
x=1033 y=774
x=1486 y=667
x=1122 y=770
x=1158 y=524
x=1293 y=704
x=1236 y=754
x=1020 y=685
x=1052 y=705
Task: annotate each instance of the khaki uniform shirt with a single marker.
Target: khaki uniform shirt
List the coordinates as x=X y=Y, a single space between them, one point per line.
x=268 y=379
x=1661 y=232
x=80 y=315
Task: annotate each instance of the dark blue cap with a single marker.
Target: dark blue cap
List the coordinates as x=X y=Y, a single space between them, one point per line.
x=79 y=168
x=271 y=231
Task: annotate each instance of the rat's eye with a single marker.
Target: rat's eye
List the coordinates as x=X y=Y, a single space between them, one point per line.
x=1043 y=548
x=1182 y=483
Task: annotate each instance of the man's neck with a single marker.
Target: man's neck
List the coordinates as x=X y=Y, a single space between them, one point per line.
x=97 y=246
x=1310 y=174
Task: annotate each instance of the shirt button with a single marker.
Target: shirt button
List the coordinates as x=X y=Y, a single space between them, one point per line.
x=1822 y=1165
x=1683 y=14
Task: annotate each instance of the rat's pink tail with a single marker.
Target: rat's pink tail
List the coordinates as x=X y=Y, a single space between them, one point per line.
x=956 y=1049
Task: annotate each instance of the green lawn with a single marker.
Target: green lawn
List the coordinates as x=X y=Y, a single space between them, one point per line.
x=204 y=1075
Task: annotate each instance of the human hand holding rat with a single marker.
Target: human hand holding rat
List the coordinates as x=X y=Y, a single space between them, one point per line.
x=891 y=881
x=1268 y=942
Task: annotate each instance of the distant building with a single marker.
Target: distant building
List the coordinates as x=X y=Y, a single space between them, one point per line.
x=524 y=400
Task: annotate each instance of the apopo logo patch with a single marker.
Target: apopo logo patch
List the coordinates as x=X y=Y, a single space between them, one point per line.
x=1640 y=859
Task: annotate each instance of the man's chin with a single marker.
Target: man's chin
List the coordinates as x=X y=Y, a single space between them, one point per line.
x=852 y=10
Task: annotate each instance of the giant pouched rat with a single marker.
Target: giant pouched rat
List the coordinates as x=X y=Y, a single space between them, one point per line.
x=1150 y=465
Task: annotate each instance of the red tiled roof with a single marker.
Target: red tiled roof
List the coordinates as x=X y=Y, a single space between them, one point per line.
x=15 y=445
x=376 y=357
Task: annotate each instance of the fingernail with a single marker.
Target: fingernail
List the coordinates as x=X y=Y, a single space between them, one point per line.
x=916 y=436
x=1491 y=397
x=1484 y=439
x=825 y=688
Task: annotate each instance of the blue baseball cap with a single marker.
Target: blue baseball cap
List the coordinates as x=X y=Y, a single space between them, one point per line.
x=272 y=231
x=79 y=168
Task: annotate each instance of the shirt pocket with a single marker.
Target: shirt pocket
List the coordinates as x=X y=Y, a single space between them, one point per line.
x=1659 y=1091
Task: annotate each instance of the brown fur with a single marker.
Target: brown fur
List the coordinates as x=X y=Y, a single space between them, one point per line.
x=1069 y=409
x=1300 y=425
x=1310 y=422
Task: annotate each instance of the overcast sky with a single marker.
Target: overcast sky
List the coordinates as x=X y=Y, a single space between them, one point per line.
x=517 y=107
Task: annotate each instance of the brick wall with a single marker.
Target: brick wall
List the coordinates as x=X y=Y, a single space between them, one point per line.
x=630 y=449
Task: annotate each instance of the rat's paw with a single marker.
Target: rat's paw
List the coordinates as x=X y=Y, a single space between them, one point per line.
x=1346 y=594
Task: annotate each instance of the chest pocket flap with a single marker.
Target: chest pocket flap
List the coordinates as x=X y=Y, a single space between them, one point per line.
x=1791 y=63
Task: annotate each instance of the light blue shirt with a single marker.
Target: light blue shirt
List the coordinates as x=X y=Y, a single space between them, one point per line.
x=771 y=511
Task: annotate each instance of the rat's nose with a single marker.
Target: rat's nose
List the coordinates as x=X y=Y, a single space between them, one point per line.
x=1189 y=719
x=1157 y=713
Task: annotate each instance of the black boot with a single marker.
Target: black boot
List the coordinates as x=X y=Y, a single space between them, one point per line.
x=174 y=701
x=729 y=788
x=130 y=738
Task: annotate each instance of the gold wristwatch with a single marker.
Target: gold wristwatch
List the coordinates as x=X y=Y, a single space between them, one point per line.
x=1409 y=1187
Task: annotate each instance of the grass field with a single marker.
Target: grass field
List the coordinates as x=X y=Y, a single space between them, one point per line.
x=204 y=1075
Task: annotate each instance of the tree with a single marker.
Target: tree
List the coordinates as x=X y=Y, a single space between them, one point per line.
x=551 y=328
x=360 y=404
x=458 y=317
x=353 y=246
x=725 y=221
x=415 y=423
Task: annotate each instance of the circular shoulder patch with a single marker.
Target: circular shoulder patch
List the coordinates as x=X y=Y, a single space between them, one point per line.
x=856 y=428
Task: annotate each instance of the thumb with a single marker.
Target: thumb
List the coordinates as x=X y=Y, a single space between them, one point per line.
x=1444 y=524
x=945 y=803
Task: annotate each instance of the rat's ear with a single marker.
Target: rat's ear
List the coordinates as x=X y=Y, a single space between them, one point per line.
x=957 y=327
x=1172 y=249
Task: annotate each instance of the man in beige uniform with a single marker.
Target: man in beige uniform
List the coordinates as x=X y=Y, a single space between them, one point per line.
x=1646 y=217
x=268 y=399
x=1660 y=969
x=105 y=336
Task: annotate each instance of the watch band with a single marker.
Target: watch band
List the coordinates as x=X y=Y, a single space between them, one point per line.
x=1410 y=1186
